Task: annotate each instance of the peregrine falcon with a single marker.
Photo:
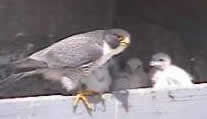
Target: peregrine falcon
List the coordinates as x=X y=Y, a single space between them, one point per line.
x=164 y=74
x=133 y=76
x=73 y=60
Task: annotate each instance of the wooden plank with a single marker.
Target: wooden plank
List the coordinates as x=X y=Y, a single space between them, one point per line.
x=132 y=104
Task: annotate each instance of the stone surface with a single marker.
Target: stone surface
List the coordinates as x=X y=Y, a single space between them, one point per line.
x=140 y=103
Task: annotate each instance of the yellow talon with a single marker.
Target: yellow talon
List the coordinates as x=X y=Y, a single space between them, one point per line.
x=83 y=96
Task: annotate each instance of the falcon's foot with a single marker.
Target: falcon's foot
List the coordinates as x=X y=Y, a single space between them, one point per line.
x=83 y=96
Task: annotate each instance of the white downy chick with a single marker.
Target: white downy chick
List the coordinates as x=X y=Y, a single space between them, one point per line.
x=165 y=75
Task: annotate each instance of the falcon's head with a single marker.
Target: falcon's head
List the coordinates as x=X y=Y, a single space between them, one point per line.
x=117 y=40
x=160 y=61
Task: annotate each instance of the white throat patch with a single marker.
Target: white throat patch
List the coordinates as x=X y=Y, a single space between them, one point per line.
x=107 y=54
x=107 y=49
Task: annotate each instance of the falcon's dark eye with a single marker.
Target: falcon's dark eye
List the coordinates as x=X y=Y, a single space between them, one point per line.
x=119 y=37
x=112 y=40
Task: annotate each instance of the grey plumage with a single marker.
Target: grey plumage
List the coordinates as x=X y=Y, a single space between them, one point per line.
x=71 y=61
x=100 y=79
x=57 y=55
x=133 y=76
x=138 y=77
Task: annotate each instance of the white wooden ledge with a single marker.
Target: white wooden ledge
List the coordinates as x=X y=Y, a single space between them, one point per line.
x=142 y=104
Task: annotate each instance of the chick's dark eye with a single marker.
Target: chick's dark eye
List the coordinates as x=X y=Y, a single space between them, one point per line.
x=161 y=59
x=138 y=67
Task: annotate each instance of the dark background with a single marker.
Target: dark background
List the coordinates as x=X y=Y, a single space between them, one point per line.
x=177 y=27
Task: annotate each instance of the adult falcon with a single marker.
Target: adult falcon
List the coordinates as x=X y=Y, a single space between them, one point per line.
x=72 y=60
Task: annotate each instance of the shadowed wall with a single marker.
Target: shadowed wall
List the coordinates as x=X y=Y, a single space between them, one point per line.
x=177 y=27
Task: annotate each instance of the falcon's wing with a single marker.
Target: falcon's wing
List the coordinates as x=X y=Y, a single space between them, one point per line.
x=72 y=51
x=27 y=64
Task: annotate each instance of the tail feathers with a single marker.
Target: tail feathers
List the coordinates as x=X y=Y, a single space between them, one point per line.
x=12 y=79
x=27 y=64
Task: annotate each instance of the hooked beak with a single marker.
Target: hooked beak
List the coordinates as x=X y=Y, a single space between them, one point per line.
x=124 y=41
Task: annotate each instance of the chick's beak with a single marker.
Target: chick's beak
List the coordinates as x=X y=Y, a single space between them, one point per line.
x=124 y=41
x=154 y=63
